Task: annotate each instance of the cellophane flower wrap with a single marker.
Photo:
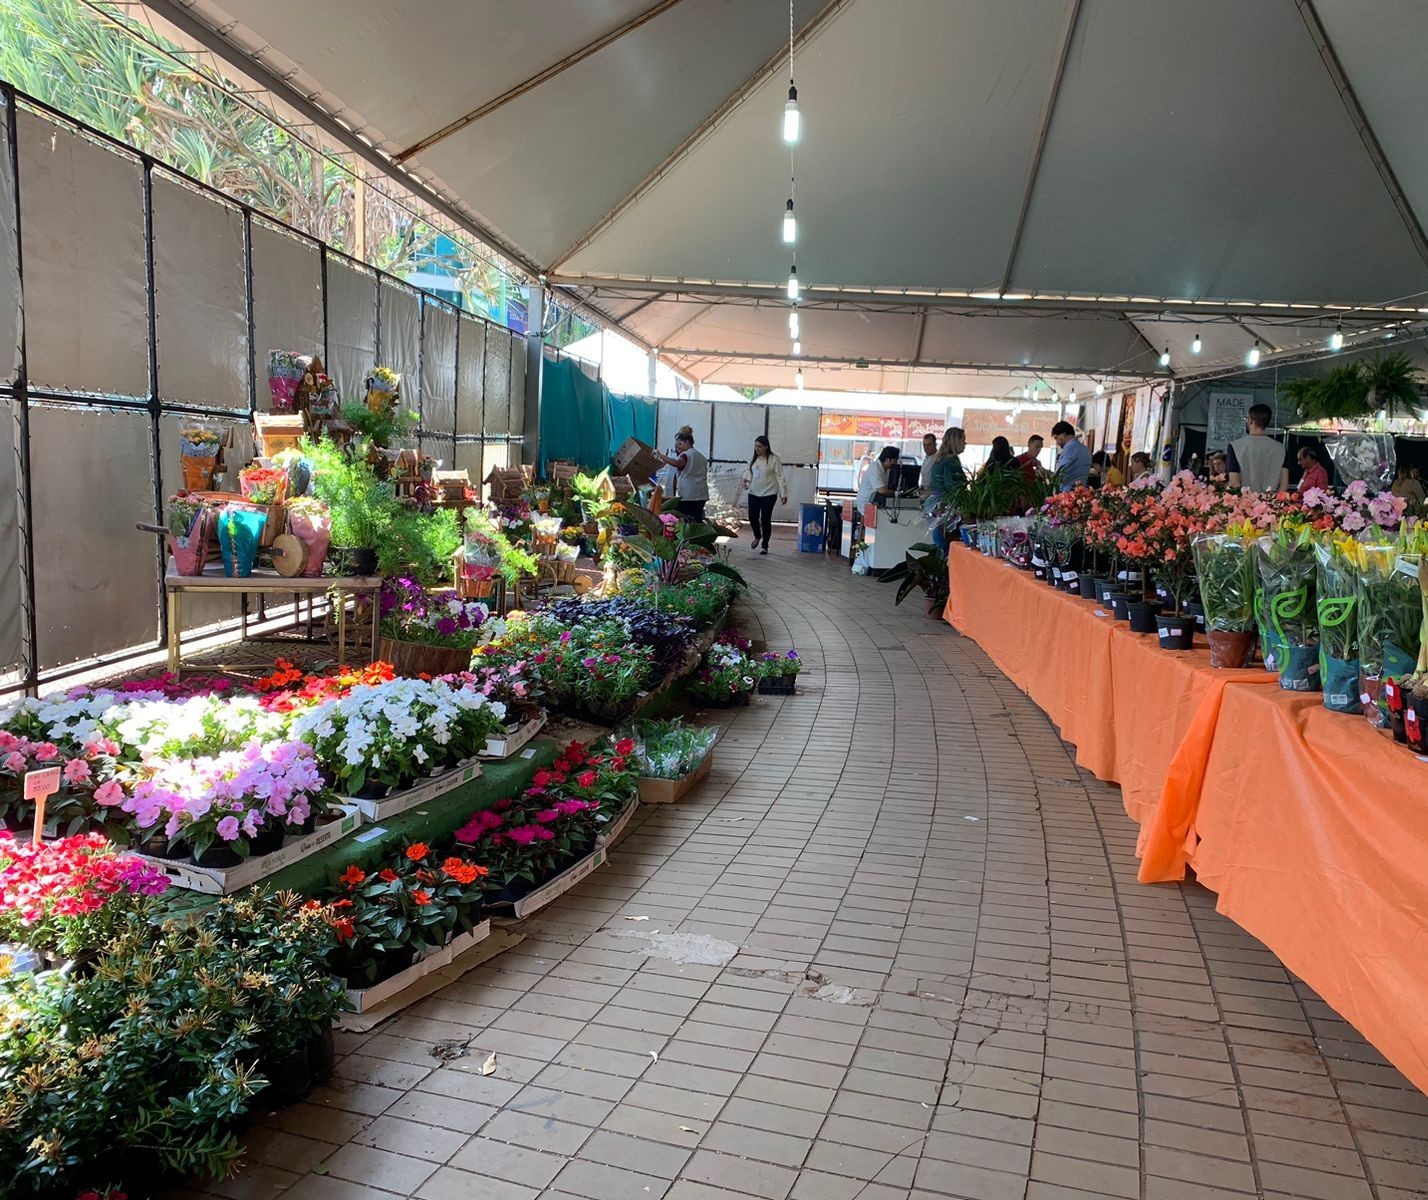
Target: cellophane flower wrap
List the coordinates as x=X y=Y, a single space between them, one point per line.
x=670 y=749
x=310 y=522
x=264 y=485
x=1286 y=603
x=1390 y=606
x=1225 y=568
x=1336 y=588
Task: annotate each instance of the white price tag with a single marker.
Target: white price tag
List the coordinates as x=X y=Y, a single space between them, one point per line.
x=368 y=834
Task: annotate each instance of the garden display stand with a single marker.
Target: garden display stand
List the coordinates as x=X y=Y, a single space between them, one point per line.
x=223 y=881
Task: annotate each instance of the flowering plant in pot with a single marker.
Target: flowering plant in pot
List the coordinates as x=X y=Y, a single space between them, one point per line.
x=425 y=633
x=594 y=668
x=68 y=897
x=386 y=736
x=84 y=775
x=1389 y=614
x=156 y=728
x=190 y=524
x=311 y=523
x=1224 y=565
x=727 y=676
x=670 y=749
x=1336 y=597
x=288 y=688
x=1285 y=568
x=507 y=683
x=263 y=485
x=225 y=807
x=778 y=673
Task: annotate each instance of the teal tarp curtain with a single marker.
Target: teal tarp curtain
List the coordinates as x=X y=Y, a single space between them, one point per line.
x=581 y=421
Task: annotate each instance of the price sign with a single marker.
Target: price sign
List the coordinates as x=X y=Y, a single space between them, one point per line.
x=39 y=786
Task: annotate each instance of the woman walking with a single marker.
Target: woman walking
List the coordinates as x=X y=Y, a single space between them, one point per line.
x=692 y=485
x=765 y=482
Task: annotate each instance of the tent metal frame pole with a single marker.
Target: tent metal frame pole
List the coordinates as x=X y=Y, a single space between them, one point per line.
x=742 y=356
x=534 y=81
x=1068 y=34
x=774 y=63
x=1360 y=119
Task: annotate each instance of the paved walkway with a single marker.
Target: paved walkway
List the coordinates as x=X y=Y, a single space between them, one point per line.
x=932 y=975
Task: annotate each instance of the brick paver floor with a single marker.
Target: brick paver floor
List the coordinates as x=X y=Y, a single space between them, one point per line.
x=929 y=972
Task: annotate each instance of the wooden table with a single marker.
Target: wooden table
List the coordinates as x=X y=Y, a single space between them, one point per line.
x=267 y=582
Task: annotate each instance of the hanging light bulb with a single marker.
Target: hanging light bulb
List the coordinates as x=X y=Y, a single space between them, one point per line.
x=797 y=348
x=1252 y=358
x=1071 y=399
x=1165 y=357
x=790 y=226
x=793 y=329
x=1026 y=393
x=792 y=121
x=1100 y=389
x=1197 y=345
x=798 y=379
x=793 y=283
x=1336 y=339
x=1011 y=418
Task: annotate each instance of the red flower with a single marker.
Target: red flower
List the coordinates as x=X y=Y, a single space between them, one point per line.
x=421 y=897
x=625 y=746
x=586 y=780
x=344 y=929
x=353 y=875
x=417 y=851
x=387 y=875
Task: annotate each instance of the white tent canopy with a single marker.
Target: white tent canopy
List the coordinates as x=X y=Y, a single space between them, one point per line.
x=986 y=190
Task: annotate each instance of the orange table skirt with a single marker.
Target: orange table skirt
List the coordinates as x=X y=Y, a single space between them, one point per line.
x=1308 y=824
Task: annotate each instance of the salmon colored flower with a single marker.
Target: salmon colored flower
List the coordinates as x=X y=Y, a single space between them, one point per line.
x=417 y=851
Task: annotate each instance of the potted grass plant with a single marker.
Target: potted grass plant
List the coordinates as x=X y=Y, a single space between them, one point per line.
x=1224 y=566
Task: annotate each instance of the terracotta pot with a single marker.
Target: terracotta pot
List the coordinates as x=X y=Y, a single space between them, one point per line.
x=1232 y=649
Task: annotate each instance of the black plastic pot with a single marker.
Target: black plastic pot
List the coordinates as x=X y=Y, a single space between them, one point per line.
x=219 y=856
x=373 y=790
x=1086 y=584
x=158 y=847
x=289 y=1077
x=1193 y=608
x=1105 y=589
x=1176 y=633
x=356 y=560
x=268 y=839
x=1415 y=721
x=778 y=687
x=321 y=1056
x=1141 y=614
x=1120 y=604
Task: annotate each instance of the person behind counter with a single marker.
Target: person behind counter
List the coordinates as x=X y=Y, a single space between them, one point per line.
x=876 y=486
x=929 y=456
x=1073 y=460
x=693 y=477
x=1406 y=485
x=1107 y=471
x=765 y=483
x=1142 y=469
x=1029 y=460
x=1257 y=461
x=1315 y=475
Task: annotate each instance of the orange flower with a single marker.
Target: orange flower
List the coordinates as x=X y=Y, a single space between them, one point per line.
x=462 y=871
x=386 y=875
x=421 y=897
x=353 y=875
x=417 y=851
x=345 y=929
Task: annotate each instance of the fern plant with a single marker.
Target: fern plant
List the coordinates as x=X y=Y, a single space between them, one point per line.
x=1355 y=391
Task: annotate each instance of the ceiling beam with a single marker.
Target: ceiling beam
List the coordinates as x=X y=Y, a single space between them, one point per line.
x=902 y=364
x=1068 y=33
x=1361 y=123
x=534 y=81
x=907 y=300
x=181 y=17
x=773 y=63
x=919 y=328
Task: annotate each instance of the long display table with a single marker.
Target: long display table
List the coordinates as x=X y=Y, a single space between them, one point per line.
x=1311 y=828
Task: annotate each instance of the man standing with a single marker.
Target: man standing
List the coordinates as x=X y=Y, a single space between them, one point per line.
x=875 y=487
x=929 y=453
x=1073 y=460
x=1315 y=476
x=1030 y=461
x=1256 y=461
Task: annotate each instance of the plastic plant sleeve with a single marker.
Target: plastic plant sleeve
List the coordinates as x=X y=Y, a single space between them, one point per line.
x=1223 y=563
x=315 y=532
x=1389 y=613
x=239 y=532
x=191 y=551
x=1336 y=585
x=1286 y=610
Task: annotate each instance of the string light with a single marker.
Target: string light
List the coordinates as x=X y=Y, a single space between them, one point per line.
x=797 y=348
x=1071 y=399
x=1252 y=358
x=793 y=283
x=792 y=119
x=790 y=225
x=798 y=379
x=1197 y=345
x=1100 y=389
x=1026 y=393
x=1165 y=357
x=793 y=329
x=1336 y=339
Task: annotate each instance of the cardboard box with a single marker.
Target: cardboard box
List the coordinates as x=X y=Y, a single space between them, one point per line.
x=365 y=999
x=636 y=460
x=419 y=793
x=507 y=744
x=616 y=829
x=667 y=791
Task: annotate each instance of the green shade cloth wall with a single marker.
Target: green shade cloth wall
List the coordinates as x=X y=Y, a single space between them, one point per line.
x=582 y=422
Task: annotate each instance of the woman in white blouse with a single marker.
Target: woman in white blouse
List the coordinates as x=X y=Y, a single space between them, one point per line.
x=765 y=483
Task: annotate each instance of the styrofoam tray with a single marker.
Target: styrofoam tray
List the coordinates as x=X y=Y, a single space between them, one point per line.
x=419 y=793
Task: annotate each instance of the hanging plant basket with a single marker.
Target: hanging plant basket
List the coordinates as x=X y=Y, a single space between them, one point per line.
x=417 y=658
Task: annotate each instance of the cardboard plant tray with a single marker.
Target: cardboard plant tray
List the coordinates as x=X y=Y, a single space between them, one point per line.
x=419 y=793
x=551 y=889
x=221 y=881
x=615 y=830
x=364 y=999
x=666 y=791
x=508 y=744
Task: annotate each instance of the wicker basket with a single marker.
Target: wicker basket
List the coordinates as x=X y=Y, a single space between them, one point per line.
x=413 y=658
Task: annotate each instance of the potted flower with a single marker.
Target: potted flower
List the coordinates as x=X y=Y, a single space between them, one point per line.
x=198 y=455
x=671 y=758
x=568 y=547
x=310 y=522
x=1285 y=567
x=190 y=524
x=1224 y=564
x=726 y=678
x=428 y=634
x=778 y=673
x=1336 y=595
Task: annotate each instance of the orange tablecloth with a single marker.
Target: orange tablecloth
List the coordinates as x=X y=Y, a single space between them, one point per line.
x=1308 y=824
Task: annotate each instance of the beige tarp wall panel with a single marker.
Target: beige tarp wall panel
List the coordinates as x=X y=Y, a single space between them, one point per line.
x=9 y=272
x=496 y=454
x=735 y=428
x=470 y=376
x=518 y=390
x=438 y=372
x=399 y=338
x=82 y=222
x=802 y=486
x=469 y=458
x=202 y=299
x=10 y=590
x=674 y=413
x=497 y=421
x=95 y=589
x=351 y=326
x=287 y=299
x=793 y=433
